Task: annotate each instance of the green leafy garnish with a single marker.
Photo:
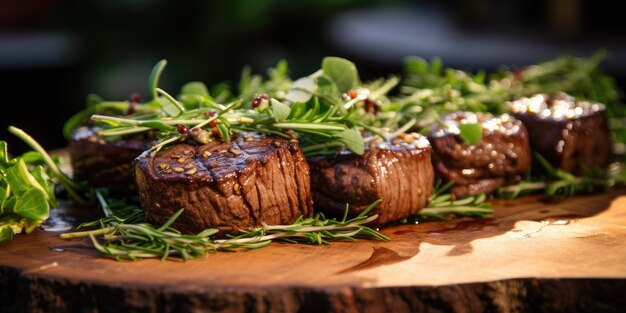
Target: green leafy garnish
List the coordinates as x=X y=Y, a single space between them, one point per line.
x=342 y=72
x=312 y=110
x=471 y=132
x=155 y=75
x=26 y=193
x=280 y=110
x=559 y=183
x=129 y=241
x=443 y=204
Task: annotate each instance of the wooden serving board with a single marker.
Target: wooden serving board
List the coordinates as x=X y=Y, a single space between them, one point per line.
x=532 y=255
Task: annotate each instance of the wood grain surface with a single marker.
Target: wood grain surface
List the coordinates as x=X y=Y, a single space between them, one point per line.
x=532 y=255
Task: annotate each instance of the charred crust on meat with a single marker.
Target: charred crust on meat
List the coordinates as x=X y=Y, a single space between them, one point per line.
x=253 y=182
x=401 y=174
x=571 y=135
x=106 y=163
x=502 y=156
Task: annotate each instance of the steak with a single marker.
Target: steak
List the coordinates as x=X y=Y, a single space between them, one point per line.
x=253 y=179
x=571 y=135
x=501 y=156
x=398 y=171
x=105 y=163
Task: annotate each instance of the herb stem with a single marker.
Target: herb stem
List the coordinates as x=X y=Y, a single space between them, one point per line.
x=303 y=126
x=68 y=183
x=161 y=144
x=171 y=99
x=84 y=234
x=321 y=146
x=213 y=118
x=123 y=131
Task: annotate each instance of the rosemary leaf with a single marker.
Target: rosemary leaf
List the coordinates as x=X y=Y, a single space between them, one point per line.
x=139 y=241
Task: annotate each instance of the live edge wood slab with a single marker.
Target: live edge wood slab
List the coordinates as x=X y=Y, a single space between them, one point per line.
x=532 y=255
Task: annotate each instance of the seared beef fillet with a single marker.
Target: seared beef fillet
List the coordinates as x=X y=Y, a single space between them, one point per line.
x=571 y=135
x=399 y=172
x=105 y=164
x=501 y=156
x=230 y=186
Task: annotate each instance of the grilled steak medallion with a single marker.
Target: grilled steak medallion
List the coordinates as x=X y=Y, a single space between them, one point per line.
x=398 y=171
x=569 y=134
x=105 y=164
x=237 y=185
x=501 y=156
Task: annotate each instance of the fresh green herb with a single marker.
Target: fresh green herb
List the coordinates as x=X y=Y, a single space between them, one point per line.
x=582 y=78
x=155 y=75
x=429 y=90
x=115 y=212
x=471 y=132
x=319 y=115
x=26 y=194
x=276 y=86
x=70 y=186
x=559 y=183
x=125 y=241
x=579 y=77
x=95 y=104
x=342 y=72
x=442 y=204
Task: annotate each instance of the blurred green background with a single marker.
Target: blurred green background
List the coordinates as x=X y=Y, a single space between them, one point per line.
x=53 y=53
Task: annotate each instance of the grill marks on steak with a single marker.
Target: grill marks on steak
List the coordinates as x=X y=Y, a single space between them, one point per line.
x=502 y=155
x=230 y=186
x=570 y=135
x=399 y=172
x=105 y=164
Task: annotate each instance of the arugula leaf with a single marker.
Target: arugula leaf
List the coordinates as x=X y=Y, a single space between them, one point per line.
x=28 y=177
x=352 y=139
x=32 y=157
x=195 y=88
x=281 y=111
x=342 y=72
x=32 y=204
x=26 y=189
x=326 y=86
x=302 y=90
x=471 y=132
x=195 y=95
x=44 y=180
x=16 y=182
x=9 y=204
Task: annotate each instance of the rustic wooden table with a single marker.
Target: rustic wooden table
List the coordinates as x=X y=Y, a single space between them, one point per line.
x=531 y=255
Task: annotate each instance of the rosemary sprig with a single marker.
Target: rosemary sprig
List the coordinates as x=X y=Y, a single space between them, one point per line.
x=429 y=89
x=124 y=240
x=442 y=204
x=115 y=212
x=559 y=183
x=70 y=185
x=324 y=111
